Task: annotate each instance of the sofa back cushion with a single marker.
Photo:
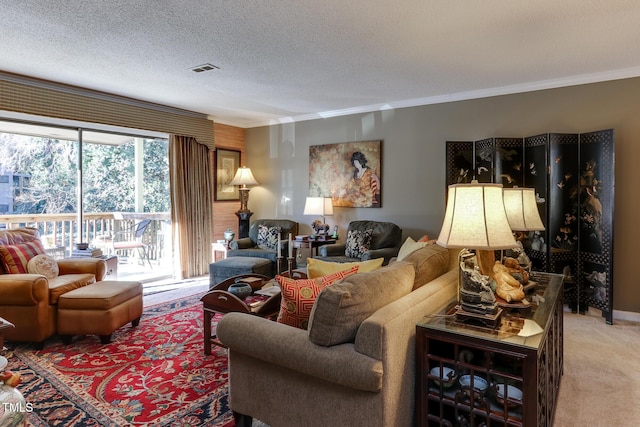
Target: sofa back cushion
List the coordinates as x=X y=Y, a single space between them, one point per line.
x=340 y=308
x=19 y=235
x=319 y=268
x=429 y=262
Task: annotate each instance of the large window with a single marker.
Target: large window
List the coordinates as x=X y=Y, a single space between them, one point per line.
x=122 y=180
x=120 y=173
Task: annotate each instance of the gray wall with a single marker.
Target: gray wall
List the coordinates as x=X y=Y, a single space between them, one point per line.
x=413 y=156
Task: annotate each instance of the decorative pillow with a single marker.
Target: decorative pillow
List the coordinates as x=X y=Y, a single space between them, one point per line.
x=16 y=257
x=358 y=243
x=268 y=237
x=298 y=296
x=409 y=246
x=341 y=308
x=318 y=268
x=43 y=264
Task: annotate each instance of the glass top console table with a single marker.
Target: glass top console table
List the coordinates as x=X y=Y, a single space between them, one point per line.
x=469 y=374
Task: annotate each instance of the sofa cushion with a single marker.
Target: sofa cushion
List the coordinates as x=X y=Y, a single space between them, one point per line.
x=299 y=295
x=340 y=308
x=68 y=282
x=429 y=262
x=358 y=242
x=43 y=264
x=318 y=268
x=16 y=257
x=268 y=237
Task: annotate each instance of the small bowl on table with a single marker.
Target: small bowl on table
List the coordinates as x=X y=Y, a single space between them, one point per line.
x=513 y=395
x=479 y=383
x=447 y=375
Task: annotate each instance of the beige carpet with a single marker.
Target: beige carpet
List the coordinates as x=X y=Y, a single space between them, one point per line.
x=601 y=381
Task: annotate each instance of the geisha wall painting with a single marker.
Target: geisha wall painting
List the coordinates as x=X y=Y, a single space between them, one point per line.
x=348 y=172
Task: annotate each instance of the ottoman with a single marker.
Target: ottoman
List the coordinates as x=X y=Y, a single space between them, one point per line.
x=232 y=266
x=99 y=309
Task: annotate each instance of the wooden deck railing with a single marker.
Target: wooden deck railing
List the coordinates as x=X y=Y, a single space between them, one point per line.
x=60 y=230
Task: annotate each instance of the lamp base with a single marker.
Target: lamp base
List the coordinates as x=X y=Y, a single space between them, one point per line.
x=243 y=222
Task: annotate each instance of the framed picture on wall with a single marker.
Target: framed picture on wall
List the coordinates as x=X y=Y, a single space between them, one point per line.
x=227 y=163
x=349 y=173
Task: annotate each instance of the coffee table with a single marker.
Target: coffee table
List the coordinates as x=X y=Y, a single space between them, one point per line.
x=219 y=300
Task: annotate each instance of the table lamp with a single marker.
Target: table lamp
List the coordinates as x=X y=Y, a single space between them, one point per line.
x=523 y=216
x=522 y=209
x=475 y=218
x=243 y=178
x=320 y=206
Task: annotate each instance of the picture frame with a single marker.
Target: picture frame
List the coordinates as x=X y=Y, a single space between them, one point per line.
x=227 y=163
x=349 y=172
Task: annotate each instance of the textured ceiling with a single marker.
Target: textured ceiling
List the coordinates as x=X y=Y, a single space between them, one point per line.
x=285 y=60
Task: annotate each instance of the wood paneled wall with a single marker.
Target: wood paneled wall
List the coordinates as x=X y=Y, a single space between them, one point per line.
x=224 y=213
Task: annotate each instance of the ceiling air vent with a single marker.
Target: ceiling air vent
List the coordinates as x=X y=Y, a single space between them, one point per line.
x=204 y=67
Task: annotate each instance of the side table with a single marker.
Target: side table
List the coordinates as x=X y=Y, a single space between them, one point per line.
x=506 y=376
x=311 y=244
x=219 y=247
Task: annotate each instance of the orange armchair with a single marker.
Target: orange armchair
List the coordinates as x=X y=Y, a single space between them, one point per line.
x=29 y=301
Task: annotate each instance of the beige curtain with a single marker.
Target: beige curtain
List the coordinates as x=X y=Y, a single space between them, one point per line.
x=191 y=205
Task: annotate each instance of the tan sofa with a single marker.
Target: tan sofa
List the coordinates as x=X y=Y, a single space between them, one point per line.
x=279 y=376
x=29 y=301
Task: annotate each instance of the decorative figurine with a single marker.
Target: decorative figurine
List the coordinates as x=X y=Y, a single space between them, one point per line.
x=319 y=228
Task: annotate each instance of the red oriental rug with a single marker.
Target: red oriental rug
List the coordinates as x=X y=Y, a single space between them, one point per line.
x=153 y=375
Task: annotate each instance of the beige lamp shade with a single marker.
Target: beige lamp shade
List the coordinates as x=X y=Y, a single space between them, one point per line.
x=322 y=206
x=243 y=177
x=522 y=209
x=475 y=218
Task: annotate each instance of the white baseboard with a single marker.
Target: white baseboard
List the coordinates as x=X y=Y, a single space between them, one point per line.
x=629 y=316
x=618 y=315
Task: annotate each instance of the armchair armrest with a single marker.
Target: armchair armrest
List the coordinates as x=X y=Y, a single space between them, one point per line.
x=23 y=289
x=95 y=266
x=290 y=348
x=244 y=243
x=336 y=249
x=386 y=253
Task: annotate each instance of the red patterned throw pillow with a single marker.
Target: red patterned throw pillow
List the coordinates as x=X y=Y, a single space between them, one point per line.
x=299 y=295
x=16 y=257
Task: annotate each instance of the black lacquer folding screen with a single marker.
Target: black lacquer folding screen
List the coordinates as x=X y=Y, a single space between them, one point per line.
x=573 y=177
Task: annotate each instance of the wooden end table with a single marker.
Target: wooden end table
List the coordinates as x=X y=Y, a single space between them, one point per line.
x=311 y=244
x=525 y=352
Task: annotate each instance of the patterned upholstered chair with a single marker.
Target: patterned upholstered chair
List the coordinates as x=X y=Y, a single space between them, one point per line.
x=263 y=239
x=365 y=240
